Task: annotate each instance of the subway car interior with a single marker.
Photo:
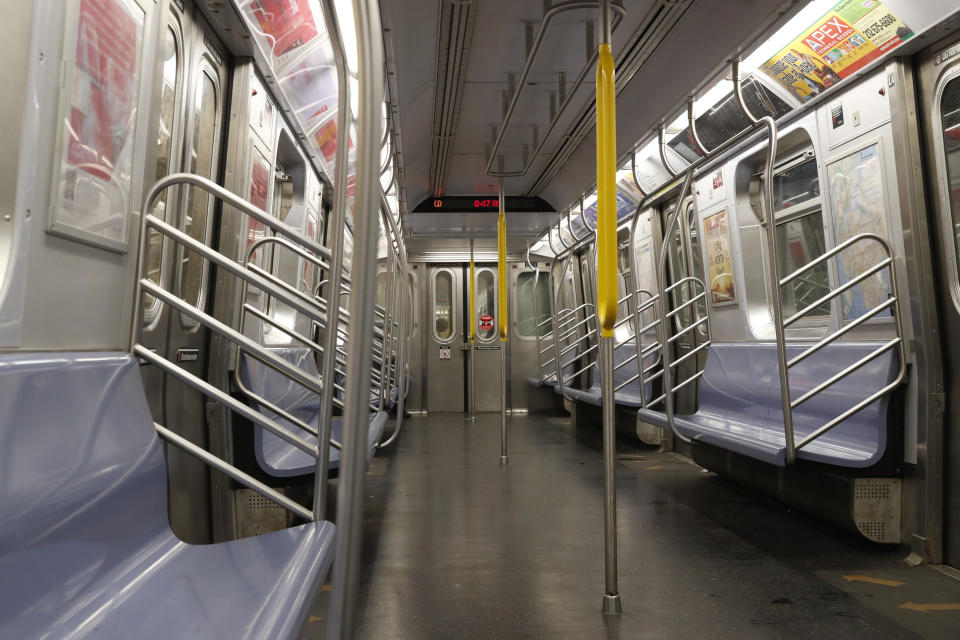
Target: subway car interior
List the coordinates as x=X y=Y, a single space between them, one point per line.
x=647 y=319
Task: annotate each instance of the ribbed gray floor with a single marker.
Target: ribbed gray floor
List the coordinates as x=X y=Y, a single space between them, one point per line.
x=456 y=546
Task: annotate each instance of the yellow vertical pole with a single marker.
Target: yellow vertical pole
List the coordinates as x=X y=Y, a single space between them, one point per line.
x=606 y=250
x=502 y=318
x=473 y=334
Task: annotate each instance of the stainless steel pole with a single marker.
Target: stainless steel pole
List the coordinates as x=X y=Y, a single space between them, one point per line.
x=473 y=355
x=335 y=225
x=346 y=566
x=607 y=297
x=611 y=597
x=502 y=311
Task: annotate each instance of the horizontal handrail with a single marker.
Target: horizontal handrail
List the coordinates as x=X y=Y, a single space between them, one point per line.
x=626 y=382
x=843 y=330
x=152 y=222
x=896 y=342
x=834 y=251
x=235 y=201
x=849 y=412
x=687 y=330
x=211 y=391
x=693 y=300
x=845 y=372
x=689 y=355
x=625 y=362
x=578 y=356
x=834 y=293
x=287 y=244
x=231 y=471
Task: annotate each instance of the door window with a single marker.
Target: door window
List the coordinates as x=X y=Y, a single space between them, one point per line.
x=950 y=126
x=486 y=305
x=170 y=82
x=443 y=317
x=199 y=203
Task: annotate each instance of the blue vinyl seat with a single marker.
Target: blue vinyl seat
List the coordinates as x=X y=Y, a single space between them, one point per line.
x=551 y=379
x=86 y=550
x=274 y=455
x=630 y=395
x=740 y=407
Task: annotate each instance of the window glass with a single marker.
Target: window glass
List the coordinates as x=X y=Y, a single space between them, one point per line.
x=199 y=202
x=725 y=119
x=696 y=260
x=626 y=329
x=308 y=275
x=678 y=271
x=412 y=304
x=646 y=276
x=799 y=242
x=168 y=94
x=533 y=306
x=382 y=289
x=486 y=304
x=950 y=123
x=796 y=185
x=443 y=305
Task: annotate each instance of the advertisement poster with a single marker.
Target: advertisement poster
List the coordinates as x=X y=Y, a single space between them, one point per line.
x=312 y=85
x=850 y=36
x=259 y=189
x=286 y=25
x=716 y=232
x=856 y=195
x=99 y=131
x=325 y=139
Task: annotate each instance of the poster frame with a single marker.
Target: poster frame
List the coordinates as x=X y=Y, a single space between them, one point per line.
x=69 y=38
x=708 y=288
x=875 y=137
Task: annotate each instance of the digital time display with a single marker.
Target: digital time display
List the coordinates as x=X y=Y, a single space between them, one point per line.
x=473 y=204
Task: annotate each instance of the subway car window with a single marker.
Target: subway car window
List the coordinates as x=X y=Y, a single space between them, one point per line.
x=170 y=84
x=443 y=305
x=486 y=303
x=626 y=329
x=199 y=204
x=530 y=314
x=796 y=185
x=800 y=241
x=950 y=125
x=800 y=230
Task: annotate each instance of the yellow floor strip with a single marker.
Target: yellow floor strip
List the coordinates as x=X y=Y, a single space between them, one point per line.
x=871 y=580
x=926 y=608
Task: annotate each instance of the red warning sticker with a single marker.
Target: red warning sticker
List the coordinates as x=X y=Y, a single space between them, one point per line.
x=486 y=322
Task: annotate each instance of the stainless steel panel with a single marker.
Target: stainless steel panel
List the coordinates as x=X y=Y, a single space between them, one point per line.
x=523 y=353
x=487 y=348
x=935 y=74
x=415 y=280
x=443 y=334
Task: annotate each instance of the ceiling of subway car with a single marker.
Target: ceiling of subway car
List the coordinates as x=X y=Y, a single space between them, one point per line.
x=452 y=65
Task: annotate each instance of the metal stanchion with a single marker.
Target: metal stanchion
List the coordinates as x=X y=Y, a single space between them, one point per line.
x=607 y=295
x=502 y=310
x=473 y=337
